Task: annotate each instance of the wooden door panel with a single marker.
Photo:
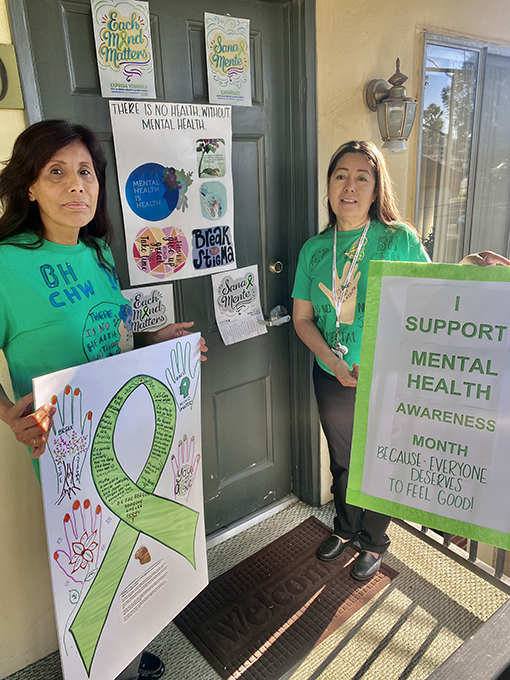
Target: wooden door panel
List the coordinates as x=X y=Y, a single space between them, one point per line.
x=252 y=442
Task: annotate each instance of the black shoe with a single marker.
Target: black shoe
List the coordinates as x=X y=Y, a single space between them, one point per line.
x=365 y=566
x=150 y=667
x=332 y=548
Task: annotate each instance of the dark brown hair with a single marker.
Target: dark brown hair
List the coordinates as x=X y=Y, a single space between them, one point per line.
x=32 y=150
x=384 y=208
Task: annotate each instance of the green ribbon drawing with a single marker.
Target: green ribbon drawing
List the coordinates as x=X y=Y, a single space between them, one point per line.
x=249 y=281
x=135 y=504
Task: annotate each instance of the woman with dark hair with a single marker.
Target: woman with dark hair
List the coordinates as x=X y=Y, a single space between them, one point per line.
x=57 y=274
x=329 y=300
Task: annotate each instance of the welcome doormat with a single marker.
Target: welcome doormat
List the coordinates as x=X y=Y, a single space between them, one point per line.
x=258 y=620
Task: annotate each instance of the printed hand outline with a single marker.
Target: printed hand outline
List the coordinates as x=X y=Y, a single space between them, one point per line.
x=82 y=530
x=181 y=377
x=349 y=303
x=182 y=203
x=70 y=443
x=185 y=467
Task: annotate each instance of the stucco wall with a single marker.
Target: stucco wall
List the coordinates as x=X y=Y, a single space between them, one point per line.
x=358 y=40
x=27 y=627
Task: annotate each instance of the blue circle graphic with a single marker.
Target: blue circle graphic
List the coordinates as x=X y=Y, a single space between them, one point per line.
x=152 y=191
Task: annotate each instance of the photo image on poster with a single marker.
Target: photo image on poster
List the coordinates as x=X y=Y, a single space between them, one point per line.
x=123 y=48
x=160 y=251
x=211 y=157
x=153 y=191
x=123 y=500
x=214 y=200
x=227 y=44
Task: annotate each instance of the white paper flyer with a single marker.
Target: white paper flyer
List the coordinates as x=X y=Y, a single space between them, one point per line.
x=237 y=305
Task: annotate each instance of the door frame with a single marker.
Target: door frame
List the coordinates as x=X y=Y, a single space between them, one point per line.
x=302 y=206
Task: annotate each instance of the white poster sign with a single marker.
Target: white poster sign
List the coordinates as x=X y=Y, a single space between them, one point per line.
x=431 y=427
x=123 y=502
x=227 y=44
x=153 y=307
x=237 y=305
x=124 y=55
x=175 y=181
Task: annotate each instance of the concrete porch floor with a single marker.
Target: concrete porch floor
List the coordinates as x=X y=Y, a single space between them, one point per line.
x=406 y=631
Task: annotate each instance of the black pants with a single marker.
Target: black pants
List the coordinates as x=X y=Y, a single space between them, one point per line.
x=336 y=411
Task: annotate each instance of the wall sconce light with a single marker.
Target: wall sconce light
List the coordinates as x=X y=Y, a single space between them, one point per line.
x=395 y=111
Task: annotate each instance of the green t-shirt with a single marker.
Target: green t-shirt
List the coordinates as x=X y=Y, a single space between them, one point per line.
x=313 y=280
x=59 y=307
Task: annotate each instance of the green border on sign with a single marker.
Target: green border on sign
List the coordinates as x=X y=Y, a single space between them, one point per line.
x=377 y=270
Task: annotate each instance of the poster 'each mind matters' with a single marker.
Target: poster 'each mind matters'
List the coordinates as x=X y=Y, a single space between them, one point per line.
x=432 y=432
x=227 y=44
x=123 y=501
x=124 y=48
x=175 y=181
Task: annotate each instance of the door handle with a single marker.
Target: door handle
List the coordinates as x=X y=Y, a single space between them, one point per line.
x=277 y=317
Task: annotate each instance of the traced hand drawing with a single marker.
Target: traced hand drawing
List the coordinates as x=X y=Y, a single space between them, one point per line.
x=185 y=467
x=182 y=376
x=82 y=530
x=70 y=445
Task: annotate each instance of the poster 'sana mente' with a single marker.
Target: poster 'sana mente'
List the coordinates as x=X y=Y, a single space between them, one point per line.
x=175 y=181
x=123 y=501
x=432 y=432
x=123 y=48
x=236 y=297
x=227 y=44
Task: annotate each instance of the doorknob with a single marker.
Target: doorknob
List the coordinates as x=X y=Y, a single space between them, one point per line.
x=276 y=267
x=277 y=317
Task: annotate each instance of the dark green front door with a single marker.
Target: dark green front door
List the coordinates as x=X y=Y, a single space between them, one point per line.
x=245 y=388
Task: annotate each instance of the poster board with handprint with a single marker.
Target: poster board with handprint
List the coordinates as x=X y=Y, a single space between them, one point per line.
x=123 y=501
x=175 y=181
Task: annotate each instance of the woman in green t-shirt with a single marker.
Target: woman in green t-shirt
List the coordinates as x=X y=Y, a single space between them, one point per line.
x=54 y=227
x=329 y=303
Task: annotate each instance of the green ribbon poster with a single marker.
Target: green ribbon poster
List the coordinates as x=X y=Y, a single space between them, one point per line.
x=431 y=429
x=135 y=504
x=123 y=500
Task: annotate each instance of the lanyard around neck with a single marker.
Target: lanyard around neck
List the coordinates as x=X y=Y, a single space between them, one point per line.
x=338 y=299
